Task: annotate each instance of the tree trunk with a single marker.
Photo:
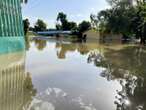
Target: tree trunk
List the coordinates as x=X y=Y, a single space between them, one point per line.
x=142 y=40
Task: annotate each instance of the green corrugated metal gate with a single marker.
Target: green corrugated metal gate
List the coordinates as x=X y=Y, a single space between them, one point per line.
x=11 y=27
x=10 y=18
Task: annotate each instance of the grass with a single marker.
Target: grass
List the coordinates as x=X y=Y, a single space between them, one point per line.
x=32 y=34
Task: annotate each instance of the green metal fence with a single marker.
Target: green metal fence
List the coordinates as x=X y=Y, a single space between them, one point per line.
x=10 y=18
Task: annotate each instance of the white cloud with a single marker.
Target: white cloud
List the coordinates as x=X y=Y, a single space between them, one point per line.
x=40 y=105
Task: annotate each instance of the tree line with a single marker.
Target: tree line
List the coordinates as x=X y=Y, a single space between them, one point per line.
x=62 y=23
x=125 y=17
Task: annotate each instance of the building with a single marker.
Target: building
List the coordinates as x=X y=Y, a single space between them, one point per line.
x=111 y=38
x=94 y=36
x=91 y=35
x=10 y=18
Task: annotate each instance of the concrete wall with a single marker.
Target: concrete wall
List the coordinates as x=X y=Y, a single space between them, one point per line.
x=111 y=38
x=92 y=35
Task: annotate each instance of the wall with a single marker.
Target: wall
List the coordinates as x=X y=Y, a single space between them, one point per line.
x=10 y=18
x=92 y=36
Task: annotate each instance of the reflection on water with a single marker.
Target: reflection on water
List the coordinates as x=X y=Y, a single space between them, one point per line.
x=40 y=44
x=130 y=72
x=16 y=89
x=74 y=76
x=11 y=44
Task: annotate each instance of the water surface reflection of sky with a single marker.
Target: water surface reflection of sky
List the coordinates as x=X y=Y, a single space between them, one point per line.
x=54 y=75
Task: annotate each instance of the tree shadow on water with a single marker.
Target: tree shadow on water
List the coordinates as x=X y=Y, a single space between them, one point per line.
x=127 y=66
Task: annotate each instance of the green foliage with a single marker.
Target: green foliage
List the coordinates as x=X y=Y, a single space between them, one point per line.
x=120 y=3
x=139 y=22
x=40 y=25
x=62 y=21
x=123 y=17
x=64 y=24
x=117 y=20
x=62 y=17
x=26 y=25
x=84 y=26
x=94 y=21
x=72 y=26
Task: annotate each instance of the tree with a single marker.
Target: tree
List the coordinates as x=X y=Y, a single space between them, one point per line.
x=64 y=24
x=72 y=26
x=94 y=21
x=58 y=27
x=125 y=18
x=40 y=25
x=62 y=21
x=139 y=22
x=26 y=26
x=84 y=26
x=120 y=3
x=103 y=19
x=117 y=20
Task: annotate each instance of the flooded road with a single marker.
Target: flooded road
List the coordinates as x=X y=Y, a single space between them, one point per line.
x=60 y=75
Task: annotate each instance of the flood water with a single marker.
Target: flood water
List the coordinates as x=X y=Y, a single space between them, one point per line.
x=60 y=75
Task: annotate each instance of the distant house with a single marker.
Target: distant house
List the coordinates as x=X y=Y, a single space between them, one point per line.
x=92 y=35
x=117 y=38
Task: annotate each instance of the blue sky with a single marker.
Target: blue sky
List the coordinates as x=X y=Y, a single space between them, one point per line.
x=76 y=10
